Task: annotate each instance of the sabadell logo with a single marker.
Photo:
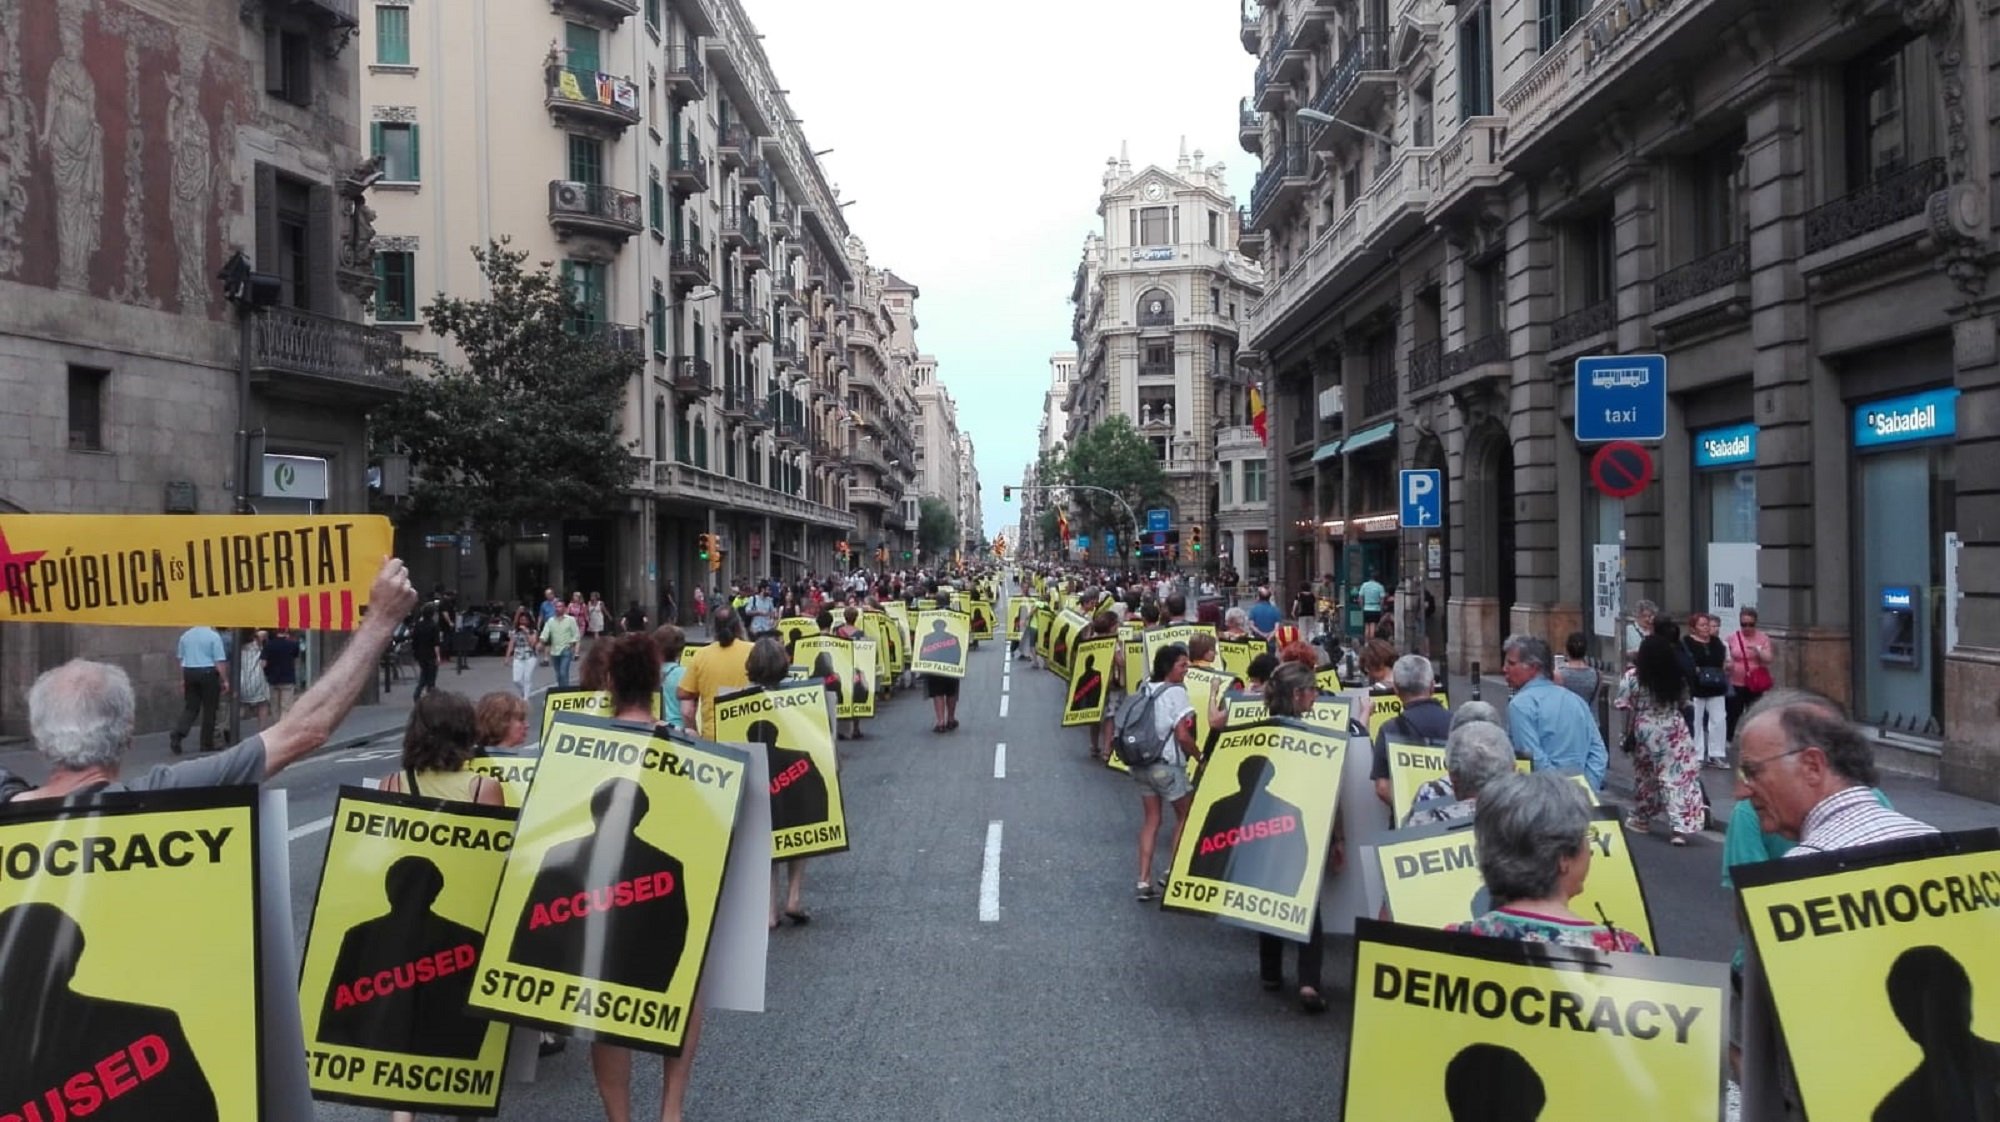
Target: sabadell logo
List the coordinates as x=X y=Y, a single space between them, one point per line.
x=1894 y=422
x=1721 y=448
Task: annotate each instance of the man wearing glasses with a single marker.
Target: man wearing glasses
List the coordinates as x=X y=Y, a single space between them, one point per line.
x=1810 y=775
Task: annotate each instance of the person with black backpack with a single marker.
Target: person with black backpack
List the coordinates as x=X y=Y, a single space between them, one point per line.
x=1154 y=737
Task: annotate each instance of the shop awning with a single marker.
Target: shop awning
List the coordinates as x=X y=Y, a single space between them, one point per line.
x=1326 y=451
x=1368 y=436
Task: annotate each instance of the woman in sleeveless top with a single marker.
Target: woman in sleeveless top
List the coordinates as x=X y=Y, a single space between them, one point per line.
x=437 y=743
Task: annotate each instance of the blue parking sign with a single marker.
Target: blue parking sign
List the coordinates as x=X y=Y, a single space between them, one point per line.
x=1422 y=491
x=1621 y=397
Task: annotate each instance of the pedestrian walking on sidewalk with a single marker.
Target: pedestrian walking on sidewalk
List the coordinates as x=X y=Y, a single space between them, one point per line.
x=520 y=654
x=1665 y=767
x=202 y=685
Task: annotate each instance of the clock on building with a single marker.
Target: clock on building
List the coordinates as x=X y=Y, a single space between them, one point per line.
x=1154 y=191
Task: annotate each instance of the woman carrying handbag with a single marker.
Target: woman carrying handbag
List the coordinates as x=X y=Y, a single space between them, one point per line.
x=1749 y=667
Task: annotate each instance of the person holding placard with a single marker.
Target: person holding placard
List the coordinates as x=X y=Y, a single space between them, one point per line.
x=1422 y=721
x=1532 y=833
x=1476 y=753
x=715 y=669
x=801 y=802
x=1165 y=779
x=1291 y=692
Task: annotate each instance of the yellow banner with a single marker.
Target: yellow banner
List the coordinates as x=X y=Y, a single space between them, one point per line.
x=512 y=770
x=396 y=927
x=1235 y=655
x=1259 y=827
x=1068 y=627
x=1090 y=681
x=583 y=703
x=601 y=921
x=982 y=618
x=1430 y=877
x=1883 y=970
x=791 y=722
x=1330 y=712
x=1383 y=708
x=303 y=571
x=857 y=697
x=96 y=1009
x=943 y=643
x=1449 y=1026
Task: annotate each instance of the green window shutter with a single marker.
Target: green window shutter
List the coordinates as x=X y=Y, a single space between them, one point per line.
x=374 y=138
x=582 y=43
x=392 y=35
x=416 y=156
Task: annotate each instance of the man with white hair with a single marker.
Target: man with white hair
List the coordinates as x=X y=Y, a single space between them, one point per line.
x=1422 y=721
x=81 y=714
x=1477 y=753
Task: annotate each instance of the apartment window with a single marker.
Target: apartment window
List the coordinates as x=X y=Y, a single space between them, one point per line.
x=1589 y=252
x=653 y=14
x=1157 y=358
x=586 y=159
x=659 y=428
x=1159 y=444
x=701 y=444
x=1475 y=62
x=1225 y=485
x=1558 y=16
x=700 y=338
x=656 y=202
x=86 y=407
x=395 y=287
x=1215 y=301
x=729 y=458
x=581 y=42
x=586 y=281
x=1715 y=213
x=1155 y=225
x=659 y=322
x=294 y=242
x=396 y=143
x=1486 y=303
x=392 y=35
x=1253 y=481
x=684 y=439
x=1423 y=124
x=1887 y=95
x=1350 y=185
x=288 y=64
x=1214 y=230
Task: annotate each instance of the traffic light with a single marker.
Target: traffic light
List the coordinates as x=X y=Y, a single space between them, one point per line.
x=705 y=543
x=1006 y=494
x=1196 y=544
x=907 y=555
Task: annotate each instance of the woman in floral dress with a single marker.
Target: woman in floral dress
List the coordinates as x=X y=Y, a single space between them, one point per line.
x=1666 y=770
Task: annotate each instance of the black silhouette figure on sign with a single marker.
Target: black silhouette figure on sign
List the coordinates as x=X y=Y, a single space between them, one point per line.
x=1253 y=837
x=1061 y=652
x=608 y=905
x=1491 y=1083
x=57 y=1042
x=401 y=979
x=1089 y=692
x=798 y=788
x=979 y=624
x=942 y=646
x=1958 y=1080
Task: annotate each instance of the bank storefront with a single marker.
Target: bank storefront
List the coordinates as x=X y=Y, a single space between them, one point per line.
x=1725 y=511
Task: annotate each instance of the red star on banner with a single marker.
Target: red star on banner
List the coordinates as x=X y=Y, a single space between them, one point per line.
x=10 y=558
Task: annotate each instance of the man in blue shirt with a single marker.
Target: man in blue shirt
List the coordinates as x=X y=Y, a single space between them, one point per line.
x=1264 y=615
x=202 y=685
x=1549 y=724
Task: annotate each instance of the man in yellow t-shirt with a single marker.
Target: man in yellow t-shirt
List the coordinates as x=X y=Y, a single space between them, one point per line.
x=720 y=667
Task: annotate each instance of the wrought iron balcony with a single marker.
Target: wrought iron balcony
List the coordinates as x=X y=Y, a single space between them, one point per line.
x=755 y=179
x=732 y=228
x=1585 y=323
x=751 y=255
x=617 y=11
x=1702 y=276
x=734 y=309
x=693 y=377
x=1888 y=200
x=758 y=416
x=320 y=355
x=785 y=352
x=1363 y=69
x=1287 y=167
x=756 y=324
x=687 y=168
x=619 y=337
x=783 y=220
x=1426 y=362
x=737 y=405
x=1378 y=392
x=1252 y=33
x=790 y=435
x=687 y=266
x=815 y=275
x=1249 y=127
x=685 y=76
x=1156 y=369
x=591 y=97
x=782 y=283
x=1481 y=351
x=593 y=208
x=733 y=145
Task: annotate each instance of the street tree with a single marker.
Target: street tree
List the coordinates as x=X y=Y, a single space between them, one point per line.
x=937 y=530
x=516 y=417
x=1114 y=456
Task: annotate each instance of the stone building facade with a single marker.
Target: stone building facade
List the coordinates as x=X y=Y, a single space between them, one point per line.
x=1790 y=202
x=142 y=144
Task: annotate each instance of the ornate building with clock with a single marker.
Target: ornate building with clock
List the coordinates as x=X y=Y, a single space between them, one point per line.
x=1158 y=295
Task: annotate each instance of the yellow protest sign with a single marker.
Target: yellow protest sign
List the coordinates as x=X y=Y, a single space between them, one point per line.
x=601 y=921
x=1019 y=611
x=1882 y=969
x=1410 y=767
x=582 y=702
x=901 y=640
x=1204 y=686
x=93 y=1013
x=1090 y=681
x=1069 y=627
x=832 y=658
x=396 y=928
x=1136 y=668
x=1329 y=711
x=1430 y=877
x=167 y=570
x=1045 y=622
x=793 y=628
x=1236 y=655
x=943 y=643
x=884 y=632
x=857 y=693
x=981 y=611
x=1451 y=1026
x=791 y=722
x=1173 y=633
x=1259 y=827
x=1386 y=707
x=512 y=770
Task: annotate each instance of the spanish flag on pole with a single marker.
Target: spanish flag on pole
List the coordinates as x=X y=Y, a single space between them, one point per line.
x=1258 y=422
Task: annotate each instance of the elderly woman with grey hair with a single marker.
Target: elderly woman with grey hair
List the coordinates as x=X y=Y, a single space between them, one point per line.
x=1470 y=711
x=1533 y=837
x=1476 y=754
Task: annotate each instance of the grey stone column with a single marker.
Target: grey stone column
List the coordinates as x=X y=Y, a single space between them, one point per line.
x=1533 y=424
x=1636 y=236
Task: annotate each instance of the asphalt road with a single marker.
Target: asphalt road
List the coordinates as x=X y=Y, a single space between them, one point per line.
x=1072 y=1000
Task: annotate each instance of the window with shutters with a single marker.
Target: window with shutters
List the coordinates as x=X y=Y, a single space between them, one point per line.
x=86 y=407
x=581 y=42
x=659 y=323
x=396 y=143
x=294 y=243
x=392 y=35
x=656 y=203
x=288 y=62
x=586 y=281
x=395 y=287
x=1475 y=61
x=586 y=159
x=660 y=429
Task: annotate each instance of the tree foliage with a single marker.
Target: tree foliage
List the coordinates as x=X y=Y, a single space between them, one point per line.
x=1112 y=455
x=525 y=425
x=937 y=530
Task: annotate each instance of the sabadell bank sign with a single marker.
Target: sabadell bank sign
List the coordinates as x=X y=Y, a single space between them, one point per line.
x=1725 y=447
x=1900 y=420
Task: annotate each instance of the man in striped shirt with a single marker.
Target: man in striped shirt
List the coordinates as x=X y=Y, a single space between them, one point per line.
x=1810 y=774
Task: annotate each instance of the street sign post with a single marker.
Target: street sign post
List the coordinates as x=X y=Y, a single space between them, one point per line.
x=1621 y=397
x=1157 y=520
x=1621 y=469
x=1423 y=498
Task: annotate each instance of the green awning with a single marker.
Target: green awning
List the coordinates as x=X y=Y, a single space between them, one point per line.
x=1326 y=451
x=1368 y=436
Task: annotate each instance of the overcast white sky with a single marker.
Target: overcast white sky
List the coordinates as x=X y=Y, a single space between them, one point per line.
x=972 y=139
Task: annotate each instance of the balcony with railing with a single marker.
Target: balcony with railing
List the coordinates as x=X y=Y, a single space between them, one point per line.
x=733 y=145
x=693 y=377
x=1378 y=392
x=782 y=290
x=1249 y=127
x=734 y=308
x=1469 y=161
x=790 y=435
x=617 y=11
x=687 y=168
x=1486 y=350
x=1389 y=212
x=1596 y=60
x=620 y=337
x=591 y=98
x=1426 y=363
x=737 y=404
x=731 y=229
x=716 y=489
x=1894 y=197
x=750 y=254
x=687 y=265
x=1355 y=85
x=756 y=326
x=1249 y=239
x=784 y=219
x=1589 y=322
x=1287 y=58
x=593 y=208
x=755 y=179
x=1252 y=33
x=685 y=77
x=312 y=355
x=1287 y=170
x=871 y=497
x=1724 y=269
